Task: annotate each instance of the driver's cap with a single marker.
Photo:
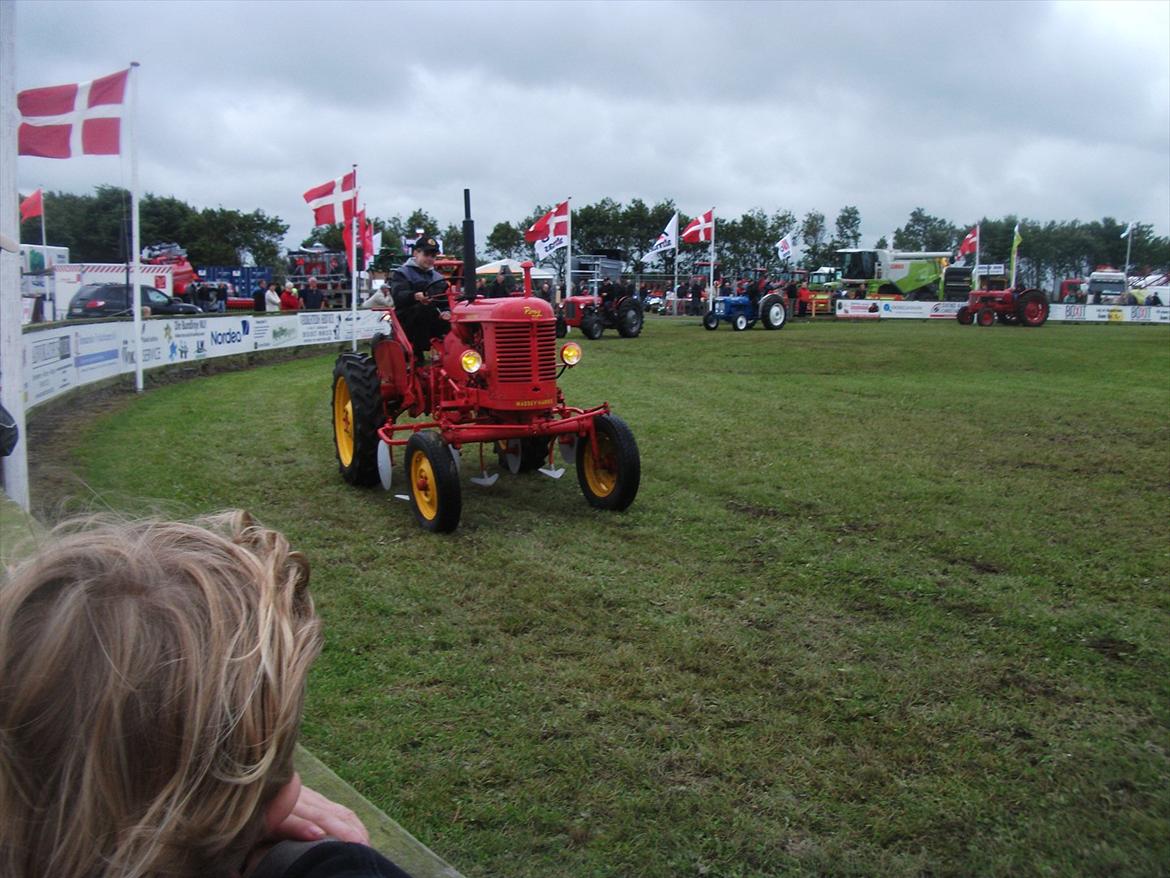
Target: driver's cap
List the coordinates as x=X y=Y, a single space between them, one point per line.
x=426 y=245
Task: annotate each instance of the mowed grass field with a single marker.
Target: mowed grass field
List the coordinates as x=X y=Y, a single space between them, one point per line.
x=892 y=600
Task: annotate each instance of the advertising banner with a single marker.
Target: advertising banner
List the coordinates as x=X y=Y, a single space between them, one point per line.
x=282 y=331
x=49 y=369
x=1109 y=313
x=857 y=309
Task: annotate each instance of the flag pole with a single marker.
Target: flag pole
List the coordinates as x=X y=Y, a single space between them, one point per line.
x=45 y=261
x=978 y=243
x=711 y=268
x=1015 y=248
x=1129 y=245
x=135 y=230
x=11 y=342
x=353 y=268
x=568 y=250
x=675 y=260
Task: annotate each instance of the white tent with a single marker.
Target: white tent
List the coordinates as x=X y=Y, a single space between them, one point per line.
x=492 y=268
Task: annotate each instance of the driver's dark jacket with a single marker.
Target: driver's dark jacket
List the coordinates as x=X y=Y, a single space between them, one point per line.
x=408 y=279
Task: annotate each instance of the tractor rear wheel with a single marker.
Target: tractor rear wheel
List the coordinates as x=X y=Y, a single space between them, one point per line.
x=739 y=323
x=1032 y=309
x=964 y=316
x=357 y=414
x=629 y=318
x=591 y=325
x=986 y=316
x=610 y=479
x=772 y=312
x=433 y=480
x=710 y=320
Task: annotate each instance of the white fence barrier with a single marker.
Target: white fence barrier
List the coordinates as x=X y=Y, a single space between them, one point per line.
x=876 y=309
x=63 y=357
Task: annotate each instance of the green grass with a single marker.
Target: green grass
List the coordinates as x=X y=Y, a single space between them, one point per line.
x=892 y=600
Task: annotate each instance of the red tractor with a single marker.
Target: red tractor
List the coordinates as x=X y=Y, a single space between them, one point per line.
x=594 y=314
x=491 y=380
x=985 y=306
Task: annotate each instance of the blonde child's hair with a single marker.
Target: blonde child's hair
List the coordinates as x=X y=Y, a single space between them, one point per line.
x=152 y=675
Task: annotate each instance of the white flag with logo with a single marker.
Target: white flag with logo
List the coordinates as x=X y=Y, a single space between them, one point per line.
x=784 y=247
x=551 y=232
x=1128 y=229
x=668 y=240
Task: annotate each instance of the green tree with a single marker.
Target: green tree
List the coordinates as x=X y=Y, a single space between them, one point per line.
x=925 y=232
x=505 y=241
x=812 y=234
x=849 y=226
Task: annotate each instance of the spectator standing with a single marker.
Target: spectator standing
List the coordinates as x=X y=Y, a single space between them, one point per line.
x=258 y=296
x=312 y=299
x=289 y=300
x=271 y=299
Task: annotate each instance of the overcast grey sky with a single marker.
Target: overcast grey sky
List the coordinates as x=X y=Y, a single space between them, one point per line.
x=1046 y=110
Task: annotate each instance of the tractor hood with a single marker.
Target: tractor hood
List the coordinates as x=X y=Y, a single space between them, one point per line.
x=512 y=310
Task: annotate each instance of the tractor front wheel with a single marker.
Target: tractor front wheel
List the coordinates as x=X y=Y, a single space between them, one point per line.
x=772 y=312
x=609 y=475
x=357 y=414
x=433 y=480
x=1032 y=309
x=710 y=320
x=964 y=316
x=591 y=325
x=562 y=327
x=739 y=323
x=986 y=317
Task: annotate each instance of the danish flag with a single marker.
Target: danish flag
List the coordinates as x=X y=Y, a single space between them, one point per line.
x=701 y=228
x=82 y=118
x=335 y=201
x=366 y=239
x=970 y=243
x=551 y=225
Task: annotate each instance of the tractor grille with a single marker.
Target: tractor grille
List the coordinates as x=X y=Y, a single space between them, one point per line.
x=526 y=353
x=570 y=310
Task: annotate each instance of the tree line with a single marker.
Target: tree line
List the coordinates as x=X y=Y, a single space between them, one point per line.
x=95 y=228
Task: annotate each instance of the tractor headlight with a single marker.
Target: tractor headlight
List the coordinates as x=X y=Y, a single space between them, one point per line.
x=471 y=361
x=571 y=354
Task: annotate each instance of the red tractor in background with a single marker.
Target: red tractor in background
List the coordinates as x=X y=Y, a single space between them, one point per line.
x=491 y=380
x=593 y=314
x=188 y=286
x=987 y=305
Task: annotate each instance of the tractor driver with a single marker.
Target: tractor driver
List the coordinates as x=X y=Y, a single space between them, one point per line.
x=420 y=317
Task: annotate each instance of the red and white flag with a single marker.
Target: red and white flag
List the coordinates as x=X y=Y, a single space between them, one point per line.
x=551 y=232
x=82 y=118
x=700 y=229
x=31 y=206
x=335 y=201
x=970 y=243
x=365 y=239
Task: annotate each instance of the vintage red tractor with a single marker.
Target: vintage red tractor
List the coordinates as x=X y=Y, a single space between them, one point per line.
x=594 y=314
x=985 y=306
x=492 y=380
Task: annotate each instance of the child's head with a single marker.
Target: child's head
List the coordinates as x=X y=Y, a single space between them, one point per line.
x=151 y=682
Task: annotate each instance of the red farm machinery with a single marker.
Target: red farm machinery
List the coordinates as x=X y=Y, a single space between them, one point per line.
x=987 y=304
x=491 y=381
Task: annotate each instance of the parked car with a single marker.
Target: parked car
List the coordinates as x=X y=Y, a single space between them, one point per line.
x=111 y=300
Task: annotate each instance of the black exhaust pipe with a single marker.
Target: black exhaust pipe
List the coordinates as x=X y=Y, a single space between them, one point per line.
x=468 y=248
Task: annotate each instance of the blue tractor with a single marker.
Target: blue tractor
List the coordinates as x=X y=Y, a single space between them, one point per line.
x=742 y=314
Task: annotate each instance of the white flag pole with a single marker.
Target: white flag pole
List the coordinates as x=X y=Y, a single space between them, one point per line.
x=711 y=269
x=1129 y=245
x=978 y=242
x=135 y=231
x=353 y=268
x=568 y=248
x=50 y=300
x=675 y=221
x=11 y=341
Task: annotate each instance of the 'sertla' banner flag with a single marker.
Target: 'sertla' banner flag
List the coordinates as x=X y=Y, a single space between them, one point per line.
x=82 y=118
x=668 y=240
x=701 y=229
x=333 y=202
x=31 y=206
x=551 y=232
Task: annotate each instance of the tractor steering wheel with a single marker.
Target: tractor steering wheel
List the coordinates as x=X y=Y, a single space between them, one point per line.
x=436 y=290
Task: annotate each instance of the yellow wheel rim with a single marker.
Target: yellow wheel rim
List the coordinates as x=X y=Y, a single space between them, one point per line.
x=343 y=421
x=601 y=474
x=422 y=486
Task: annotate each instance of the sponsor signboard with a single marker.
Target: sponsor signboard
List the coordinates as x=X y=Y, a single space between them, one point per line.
x=276 y=332
x=856 y=309
x=1109 y=313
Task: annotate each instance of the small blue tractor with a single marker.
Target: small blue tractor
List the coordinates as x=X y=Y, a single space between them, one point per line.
x=742 y=314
